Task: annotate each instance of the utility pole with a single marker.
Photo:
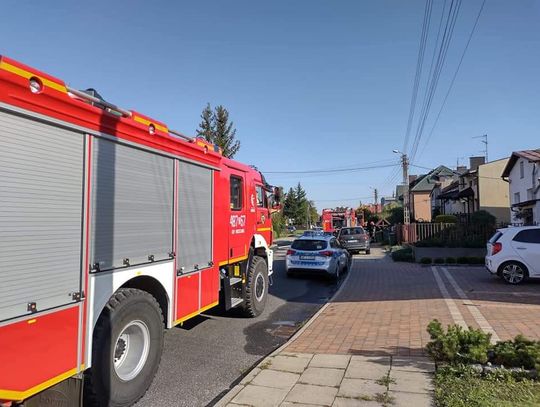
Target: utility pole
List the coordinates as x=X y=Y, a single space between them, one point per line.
x=376 y=196
x=405 y=165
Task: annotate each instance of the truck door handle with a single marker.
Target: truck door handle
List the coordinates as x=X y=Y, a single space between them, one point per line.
x=521 y=248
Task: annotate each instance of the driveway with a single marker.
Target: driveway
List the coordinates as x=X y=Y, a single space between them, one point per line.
x=385 y=307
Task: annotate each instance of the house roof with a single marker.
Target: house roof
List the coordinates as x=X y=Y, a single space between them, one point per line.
x=449 y=188
x=466 y=193
x=426 y=182
x=450 y=191
x=530 y=155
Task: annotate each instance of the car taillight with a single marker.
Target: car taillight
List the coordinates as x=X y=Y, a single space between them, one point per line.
x=497 y=247
x=291 y=251
x=327 y=253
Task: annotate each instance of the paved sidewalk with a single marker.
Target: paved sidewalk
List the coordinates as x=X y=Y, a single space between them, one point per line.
x=301 y=379
x=364 y=348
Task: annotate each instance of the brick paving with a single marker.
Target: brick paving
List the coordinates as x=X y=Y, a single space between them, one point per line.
x=511 y=310
x=386 y=306
x=384 y=309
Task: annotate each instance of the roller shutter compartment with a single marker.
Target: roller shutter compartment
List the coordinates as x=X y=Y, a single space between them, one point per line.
x=41 y=201
x=194 y=217
x=132 y=206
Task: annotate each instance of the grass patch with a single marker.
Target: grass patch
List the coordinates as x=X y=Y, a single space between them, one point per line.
x=265 y=365
x=385 y=381
x=461 y=386
x=385 y=399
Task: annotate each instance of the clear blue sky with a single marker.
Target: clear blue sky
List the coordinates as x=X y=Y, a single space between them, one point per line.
x=309 y=84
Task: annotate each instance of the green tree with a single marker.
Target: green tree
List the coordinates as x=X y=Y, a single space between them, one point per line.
x=313 y=215
x=278 y=223
x=225 y=133
x=207 y=126
x=290 y=207
x=395 y=215
x=302 y=205
x=216 y=128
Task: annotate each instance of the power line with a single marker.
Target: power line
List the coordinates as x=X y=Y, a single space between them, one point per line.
x=343 y=199
x=323 y=171
x=454 y=77
x=434 y=80
x=419 y=66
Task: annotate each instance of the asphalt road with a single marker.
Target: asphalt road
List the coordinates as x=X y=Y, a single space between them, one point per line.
x=208 y=355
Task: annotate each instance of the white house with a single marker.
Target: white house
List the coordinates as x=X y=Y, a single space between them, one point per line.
x=523 y=175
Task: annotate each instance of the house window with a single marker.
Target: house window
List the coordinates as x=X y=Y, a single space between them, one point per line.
x=517 y=198
x=521 y=170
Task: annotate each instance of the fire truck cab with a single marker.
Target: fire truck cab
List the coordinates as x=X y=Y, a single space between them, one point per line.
x=112 y=228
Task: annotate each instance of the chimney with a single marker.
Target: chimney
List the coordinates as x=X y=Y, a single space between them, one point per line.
x=475 y=162
x=462 y=169
x=412 y=178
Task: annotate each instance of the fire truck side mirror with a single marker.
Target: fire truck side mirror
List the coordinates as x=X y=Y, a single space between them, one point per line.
x=277 y=197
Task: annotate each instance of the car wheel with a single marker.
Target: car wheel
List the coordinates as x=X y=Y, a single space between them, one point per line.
x=513 y=272
x=368 y=251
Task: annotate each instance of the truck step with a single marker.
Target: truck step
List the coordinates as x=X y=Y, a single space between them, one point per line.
x=235 y=280
x=236 y=301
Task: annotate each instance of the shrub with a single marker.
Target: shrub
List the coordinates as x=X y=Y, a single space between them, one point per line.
x=445 y=219
x=438 y=260
x=520 y=352
x=483 y=218
x=457 y=345
x=405 y=255
x=431 y=242
x=476 y=260
x=474 y=242
x=462 y=260
x=426 y=260
x=450 y=260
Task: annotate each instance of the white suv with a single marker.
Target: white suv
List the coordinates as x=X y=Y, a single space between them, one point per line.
x=514 y=253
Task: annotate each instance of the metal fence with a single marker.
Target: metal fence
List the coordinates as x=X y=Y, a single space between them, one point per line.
x=444 y=234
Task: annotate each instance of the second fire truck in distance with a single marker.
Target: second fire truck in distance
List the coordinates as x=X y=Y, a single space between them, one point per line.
x=333 y=219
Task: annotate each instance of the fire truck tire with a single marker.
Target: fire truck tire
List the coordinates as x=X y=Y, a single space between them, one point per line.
x=132 y=321
x=257 y=287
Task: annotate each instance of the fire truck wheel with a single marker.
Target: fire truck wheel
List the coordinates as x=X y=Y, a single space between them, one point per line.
x=126 y=350
x=257 y=287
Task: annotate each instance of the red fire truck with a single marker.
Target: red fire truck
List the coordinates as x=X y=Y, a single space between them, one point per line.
x=112 y=228
x=337 y=218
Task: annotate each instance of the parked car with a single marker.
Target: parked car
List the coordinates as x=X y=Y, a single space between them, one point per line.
x=514 y=253
x=354 y=239
x=317 y=254
x=291 y=229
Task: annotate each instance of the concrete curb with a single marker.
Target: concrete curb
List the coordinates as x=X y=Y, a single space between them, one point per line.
x=227 y=398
